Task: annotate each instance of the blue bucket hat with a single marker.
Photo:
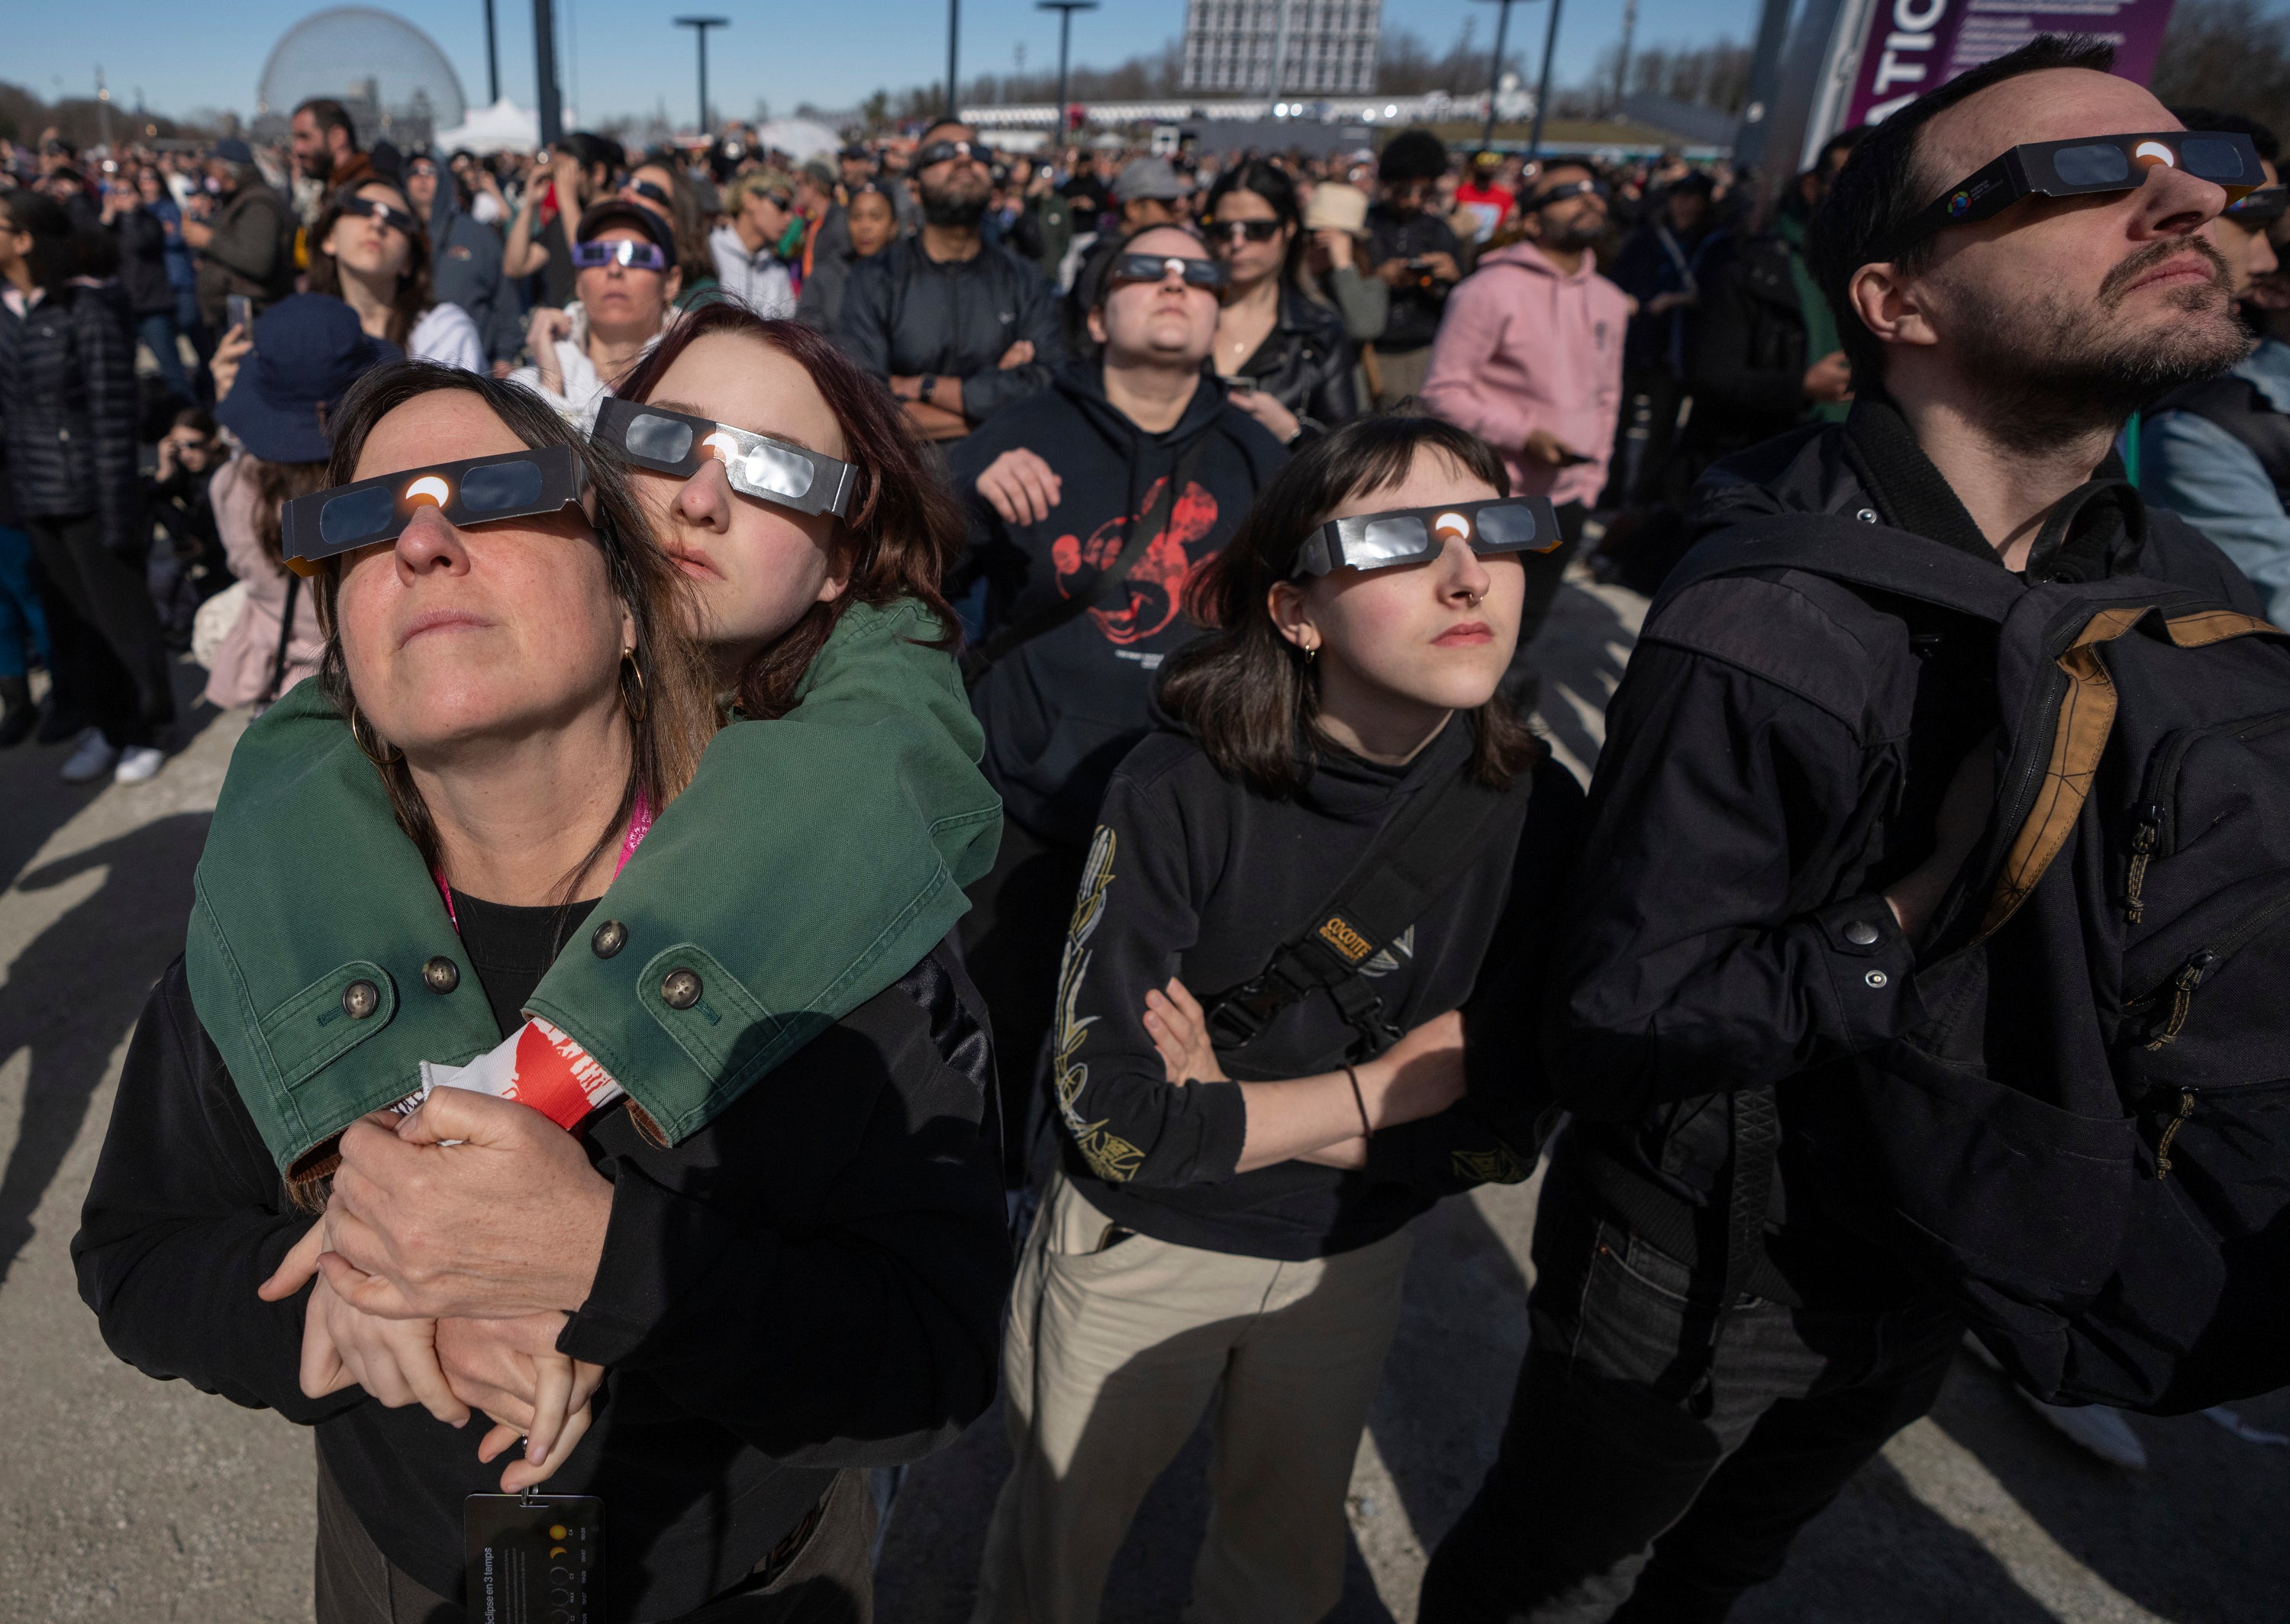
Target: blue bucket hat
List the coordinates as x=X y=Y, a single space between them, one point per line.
x=307 y=351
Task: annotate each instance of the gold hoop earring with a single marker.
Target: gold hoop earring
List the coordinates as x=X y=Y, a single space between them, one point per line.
x=1311 y=652
x=358 y=738
x=636 y=705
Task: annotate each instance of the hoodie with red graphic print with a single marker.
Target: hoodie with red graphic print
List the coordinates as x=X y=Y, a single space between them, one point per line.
x=1061 y=709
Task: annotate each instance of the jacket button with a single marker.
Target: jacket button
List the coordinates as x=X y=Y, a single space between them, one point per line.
x=1861 y=934
x=679 y=989
x=610 y=937
x=441 y=974
x=360 y=999
x=1877 y=979
x=1867 y=515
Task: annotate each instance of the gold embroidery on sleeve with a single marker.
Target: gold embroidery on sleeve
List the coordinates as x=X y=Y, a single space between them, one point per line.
x=1109 y=1156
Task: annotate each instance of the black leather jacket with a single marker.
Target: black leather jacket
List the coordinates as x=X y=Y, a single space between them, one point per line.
x=67 y=408
x=905 y=314
x=1305 y=363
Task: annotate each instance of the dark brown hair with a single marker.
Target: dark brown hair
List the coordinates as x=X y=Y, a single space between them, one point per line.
x=277 y=483
x=412 y=301
x=686 y=223
x=904 y=527
x=1244 y=691
x=665 y=686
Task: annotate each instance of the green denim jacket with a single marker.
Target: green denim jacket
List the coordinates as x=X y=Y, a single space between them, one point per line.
x=811 y=863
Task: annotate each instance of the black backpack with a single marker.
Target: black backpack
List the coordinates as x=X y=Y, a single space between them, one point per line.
x=2108 y=1202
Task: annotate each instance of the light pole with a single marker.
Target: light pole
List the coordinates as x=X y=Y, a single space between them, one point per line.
x=1065 y=9
x=492 y=57
x=699 y=27
x=1542 y=86
x=544 y=52
x=1494 y=74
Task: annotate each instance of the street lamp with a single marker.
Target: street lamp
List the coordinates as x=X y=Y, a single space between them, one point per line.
x=699 y=27
x=953 y=33
x=1494 y=74
x=1543 y=89
x=544 y=53
x=1065 y=9
x=492 y=57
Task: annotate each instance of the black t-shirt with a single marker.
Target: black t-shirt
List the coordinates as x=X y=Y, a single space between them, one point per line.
x=512 y=949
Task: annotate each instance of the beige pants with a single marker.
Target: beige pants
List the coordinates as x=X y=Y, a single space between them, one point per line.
x=1110 y=1357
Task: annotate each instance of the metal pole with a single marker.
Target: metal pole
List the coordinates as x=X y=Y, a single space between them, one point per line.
x=1280 y=51
x=1494 y=74
x=953 y=36
x=700 y=26
x=544 y=51
x=102 y=105
x=1623 y=58
x=1065 y=9
x=493 y=58
x=1765 y=80
x=1542 y=90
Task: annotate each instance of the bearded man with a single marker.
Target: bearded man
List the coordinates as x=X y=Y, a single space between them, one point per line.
x=958 y=328
x=1794 y=775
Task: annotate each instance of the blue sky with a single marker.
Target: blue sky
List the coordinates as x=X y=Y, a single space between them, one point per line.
x=624 y=56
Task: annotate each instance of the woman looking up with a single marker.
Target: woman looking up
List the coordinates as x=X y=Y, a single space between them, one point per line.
x=373 y=253
x=1285 y=353
x=873 y=220
x=625 y=285
x=660 y=185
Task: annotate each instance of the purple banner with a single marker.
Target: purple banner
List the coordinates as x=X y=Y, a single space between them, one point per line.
x=1917 y=46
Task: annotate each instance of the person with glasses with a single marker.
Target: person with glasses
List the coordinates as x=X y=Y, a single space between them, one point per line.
x=2217 y=453
x=466 y=266
x=1795 y=774
x=1284 y=354
x=1529 y=357
x=627 y=280
x=369 y=249
x=957 y=329
x=1091 y=504
x=1415 y=253
x=759 y=222
x=660 y=184
x=1229 y=1225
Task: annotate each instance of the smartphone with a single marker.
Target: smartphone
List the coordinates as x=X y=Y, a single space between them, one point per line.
x=238 y=311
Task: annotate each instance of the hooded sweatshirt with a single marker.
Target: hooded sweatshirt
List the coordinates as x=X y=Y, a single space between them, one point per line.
x=1062 y=709
x=1526 y=347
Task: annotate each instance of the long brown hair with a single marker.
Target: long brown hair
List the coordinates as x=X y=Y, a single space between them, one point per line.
x=277 y=483
x=412 y=299
x=665 y=684
x=904 y=528
x=1245 y=691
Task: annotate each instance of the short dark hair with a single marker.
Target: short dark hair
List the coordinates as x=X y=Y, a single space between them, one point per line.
x=1412 y=154
x=589 y=149
x=1880 y=190
x=2268 y=145
x=60 y=249
x=328 y=114
x=1245 y=693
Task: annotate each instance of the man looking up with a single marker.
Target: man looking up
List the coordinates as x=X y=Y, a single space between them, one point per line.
x=2214 y=452
x=326 y=149
x=1792 y=776
x=957 y=329
x=1053 y=485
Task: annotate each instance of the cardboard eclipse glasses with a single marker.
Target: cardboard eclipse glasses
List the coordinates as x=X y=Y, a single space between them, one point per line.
x=756 y=465
x=2086 y=164
x=1411 y=535
x=516 y=485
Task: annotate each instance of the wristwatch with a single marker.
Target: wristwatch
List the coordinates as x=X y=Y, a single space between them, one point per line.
x=922 y=389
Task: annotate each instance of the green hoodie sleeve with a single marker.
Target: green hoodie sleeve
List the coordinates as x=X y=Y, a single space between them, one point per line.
x=811 y=862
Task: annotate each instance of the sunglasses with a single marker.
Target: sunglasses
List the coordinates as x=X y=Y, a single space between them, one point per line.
x=477 y=492
x=649 y=189
x=758 y=466
x=1411 y=535
x=620 y=250
x=1561 y=194
x=1131 y=268
x=372 y=208
x=2259 y=206
x=1233 y=230
x=939 y=152
x=2086 y=165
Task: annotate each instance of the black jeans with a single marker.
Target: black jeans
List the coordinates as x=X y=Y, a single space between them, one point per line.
x=111 y=663
x=1012 y=940
x=1611 y=1498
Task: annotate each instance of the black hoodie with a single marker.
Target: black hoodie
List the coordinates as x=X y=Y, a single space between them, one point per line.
x=1061 y=710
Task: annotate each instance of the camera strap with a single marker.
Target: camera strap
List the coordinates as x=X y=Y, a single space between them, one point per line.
x=979 y=659
x=1414 y=858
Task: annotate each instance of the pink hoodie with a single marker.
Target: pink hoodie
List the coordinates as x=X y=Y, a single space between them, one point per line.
x=1523 y=346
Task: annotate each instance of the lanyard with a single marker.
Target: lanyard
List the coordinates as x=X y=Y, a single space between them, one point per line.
x=639 y=826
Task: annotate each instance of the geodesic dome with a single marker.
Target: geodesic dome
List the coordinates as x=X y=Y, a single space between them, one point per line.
x=388 y=74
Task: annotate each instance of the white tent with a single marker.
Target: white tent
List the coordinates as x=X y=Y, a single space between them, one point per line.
x=801 y=139
x=503 y=127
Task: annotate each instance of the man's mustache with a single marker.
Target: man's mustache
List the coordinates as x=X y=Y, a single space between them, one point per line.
x=2117 y=282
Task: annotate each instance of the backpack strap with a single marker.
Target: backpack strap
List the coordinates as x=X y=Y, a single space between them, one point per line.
x=979 y=659
x=1404 y=868
x=1858 y=553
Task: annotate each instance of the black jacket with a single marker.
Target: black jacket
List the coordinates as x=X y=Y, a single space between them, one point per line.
x=1417 y=304
x=67 y=411
x=812 y=1282
x=1061 y=710
x=252 y=253
x=1194 y=875
x=143 y=262
x=1305 y=363
x=906 y=314
x=465 y=269
x=1748 y=356
x=1775 y=759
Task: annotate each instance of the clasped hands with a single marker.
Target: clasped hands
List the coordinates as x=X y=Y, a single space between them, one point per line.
x=454 y=1244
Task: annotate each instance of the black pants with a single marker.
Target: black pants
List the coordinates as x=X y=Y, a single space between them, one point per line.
x=829 y=1580
x=110 y=656
x=1012 y=940
x=1611 y=1498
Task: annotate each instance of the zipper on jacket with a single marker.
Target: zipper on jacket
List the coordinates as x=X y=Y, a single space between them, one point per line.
x=2144 y=835
x=2183 y=987
x=2152 y=822
x=2199 y=965
x=2171 y=1132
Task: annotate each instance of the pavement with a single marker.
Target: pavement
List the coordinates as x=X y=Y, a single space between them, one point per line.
x=125 y=1499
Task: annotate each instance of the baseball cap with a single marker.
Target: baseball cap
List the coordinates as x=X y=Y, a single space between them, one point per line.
x=1149 y=178
x=619 y=212
x=230 y=149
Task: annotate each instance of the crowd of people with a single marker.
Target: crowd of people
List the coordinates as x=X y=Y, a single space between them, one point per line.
x=883 y=781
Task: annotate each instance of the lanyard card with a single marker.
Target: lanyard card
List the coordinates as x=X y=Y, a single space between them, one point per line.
x=535 y=1558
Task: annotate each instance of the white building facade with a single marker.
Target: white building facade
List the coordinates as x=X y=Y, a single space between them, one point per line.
x=1322 y=47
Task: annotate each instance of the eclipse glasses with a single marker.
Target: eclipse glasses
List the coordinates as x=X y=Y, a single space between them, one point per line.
x=2261 y=206
x=620 y=251
x=1154 y=267
x=479 y=490
x=375 y=209
x=939 y=152
x=756 y=465
x=2086 y=164
x=1411 y=535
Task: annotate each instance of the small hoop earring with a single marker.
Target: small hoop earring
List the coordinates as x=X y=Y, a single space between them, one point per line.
x=636 y=705
x=1474 y=597
x=1311 y=652
x=359 y=729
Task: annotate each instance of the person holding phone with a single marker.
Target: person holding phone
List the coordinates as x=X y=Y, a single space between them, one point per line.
x=1529 y=357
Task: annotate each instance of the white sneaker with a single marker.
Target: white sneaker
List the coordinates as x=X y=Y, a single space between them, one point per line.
x=90 y=759
x=2097 y=1429
x=138 y=763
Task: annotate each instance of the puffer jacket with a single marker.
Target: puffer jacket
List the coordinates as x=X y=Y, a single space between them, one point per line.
x=1305 y=363
x=1776 y=758
x=67 y=406
x=905 y=314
